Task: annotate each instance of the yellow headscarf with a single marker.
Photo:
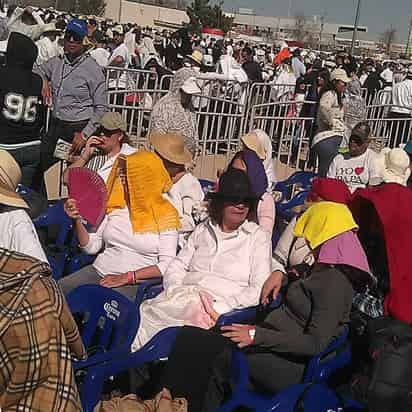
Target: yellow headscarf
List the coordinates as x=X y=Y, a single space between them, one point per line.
x=146 y=179
x=324 y=221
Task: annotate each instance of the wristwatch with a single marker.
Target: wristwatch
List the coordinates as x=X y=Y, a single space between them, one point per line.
x=252 y=333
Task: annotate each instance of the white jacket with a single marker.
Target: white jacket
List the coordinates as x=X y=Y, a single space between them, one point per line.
x=231 y=267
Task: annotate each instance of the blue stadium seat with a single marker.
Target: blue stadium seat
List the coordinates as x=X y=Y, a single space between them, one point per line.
x=158 y=347
x=336 y=356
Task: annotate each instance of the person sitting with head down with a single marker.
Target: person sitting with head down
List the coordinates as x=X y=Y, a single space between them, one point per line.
x=186 y=194
x=222 y=266
x=138 y=237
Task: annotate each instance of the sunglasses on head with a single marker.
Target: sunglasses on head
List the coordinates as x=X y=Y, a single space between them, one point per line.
x=72 y=36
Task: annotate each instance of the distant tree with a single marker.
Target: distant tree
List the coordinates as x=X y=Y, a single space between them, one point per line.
x=202 y=14
x=388 y=37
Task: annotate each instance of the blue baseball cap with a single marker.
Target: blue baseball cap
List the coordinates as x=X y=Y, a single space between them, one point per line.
x=77 y=26
x=408 y=147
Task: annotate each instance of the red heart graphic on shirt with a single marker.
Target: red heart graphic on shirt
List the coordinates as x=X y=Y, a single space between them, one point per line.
x=359 y=170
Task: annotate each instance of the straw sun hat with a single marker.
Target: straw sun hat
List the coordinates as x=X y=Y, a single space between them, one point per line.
x=10 y=177
x=171 y=147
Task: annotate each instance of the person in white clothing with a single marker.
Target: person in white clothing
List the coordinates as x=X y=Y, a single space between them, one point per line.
x=222 y=267
x=138 y=237
x=99 y=52
x=104 y=147
x=401 y=110
x=17 y=232
x=186 y=194
x=48 y=46
x=357 y=167
x=119 y=58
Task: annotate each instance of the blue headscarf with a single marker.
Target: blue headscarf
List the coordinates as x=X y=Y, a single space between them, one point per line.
x=256 y=172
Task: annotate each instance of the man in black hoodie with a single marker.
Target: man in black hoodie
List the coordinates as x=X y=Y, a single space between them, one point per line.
x=21 y=111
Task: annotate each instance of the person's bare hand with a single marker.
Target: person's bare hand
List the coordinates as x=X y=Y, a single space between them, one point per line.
x=271 y=286
x=70 y=207
x=92 y=143
x=114 y=281
x=239 y=334
x=78 y=143
x=207 y=305
x=46 y=93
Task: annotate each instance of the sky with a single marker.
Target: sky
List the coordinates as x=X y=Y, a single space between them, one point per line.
x=378 y=15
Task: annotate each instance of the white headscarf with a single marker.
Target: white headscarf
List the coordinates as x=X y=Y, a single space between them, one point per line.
x=265 y=141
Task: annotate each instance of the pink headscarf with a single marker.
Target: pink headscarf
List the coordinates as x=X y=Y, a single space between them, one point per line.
x=344 y=249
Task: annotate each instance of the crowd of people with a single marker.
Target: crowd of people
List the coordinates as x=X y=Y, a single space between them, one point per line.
x=345 y=250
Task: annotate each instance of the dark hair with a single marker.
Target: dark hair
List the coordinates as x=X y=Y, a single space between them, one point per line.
x=248 y=51
x=331 y=86
x=216 y=206
x=238 y=155
x=362 y=130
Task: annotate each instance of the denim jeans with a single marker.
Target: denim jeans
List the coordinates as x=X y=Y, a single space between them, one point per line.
x=326 y=150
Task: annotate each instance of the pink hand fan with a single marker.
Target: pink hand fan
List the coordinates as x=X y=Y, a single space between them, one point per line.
x=90 y=192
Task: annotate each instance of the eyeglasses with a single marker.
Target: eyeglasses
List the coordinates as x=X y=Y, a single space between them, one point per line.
x=72 y=36
x=101 y=131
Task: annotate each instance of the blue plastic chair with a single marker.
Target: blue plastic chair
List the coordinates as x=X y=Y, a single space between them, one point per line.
x=158 y=347
x=301 y=179
x=285 y=209
x=207 y=185
x=336 y=356
x=109 y=323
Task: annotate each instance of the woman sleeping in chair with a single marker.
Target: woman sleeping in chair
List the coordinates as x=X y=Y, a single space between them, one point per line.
x=222 y=267
x=317 y=304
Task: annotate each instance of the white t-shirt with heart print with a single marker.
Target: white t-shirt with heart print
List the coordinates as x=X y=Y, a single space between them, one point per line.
x=356 y=172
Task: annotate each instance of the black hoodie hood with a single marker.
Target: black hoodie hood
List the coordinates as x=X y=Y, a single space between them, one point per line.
x=21 y=51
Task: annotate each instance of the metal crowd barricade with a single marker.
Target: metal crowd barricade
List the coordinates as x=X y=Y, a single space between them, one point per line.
x=387 y=128
x=289 y=131
x=133 y=93
x=220 y=114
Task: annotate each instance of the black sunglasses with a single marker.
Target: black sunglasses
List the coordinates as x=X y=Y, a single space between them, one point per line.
x=239 y=201
x=101 y=131
x=72 y=36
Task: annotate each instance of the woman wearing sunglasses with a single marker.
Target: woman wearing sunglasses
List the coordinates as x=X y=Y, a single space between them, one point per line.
x=222 y=267
x=357 y=167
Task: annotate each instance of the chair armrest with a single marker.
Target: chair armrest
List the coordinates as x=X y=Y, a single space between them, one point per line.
x=144 y=288
x=238 y=316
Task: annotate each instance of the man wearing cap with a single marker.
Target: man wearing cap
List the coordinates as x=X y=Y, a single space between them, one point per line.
x=76 y=85
x=174 y=113
x=119 y=58
x=103 y=148
x=26 y=21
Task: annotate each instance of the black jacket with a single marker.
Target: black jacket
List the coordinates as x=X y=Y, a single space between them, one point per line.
x=21 y=110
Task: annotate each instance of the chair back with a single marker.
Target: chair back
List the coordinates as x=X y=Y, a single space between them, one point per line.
x=109 y=320
x=302 y=180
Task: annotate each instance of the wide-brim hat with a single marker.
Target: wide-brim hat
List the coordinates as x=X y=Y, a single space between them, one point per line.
x=171 y=146
x=10 y=177
x=234 y=185
x=340 y=74
x=251 y=141
x=196 y=57
x=51 y=28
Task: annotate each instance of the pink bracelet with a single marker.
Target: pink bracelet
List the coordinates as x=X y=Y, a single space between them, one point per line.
x=130 y=278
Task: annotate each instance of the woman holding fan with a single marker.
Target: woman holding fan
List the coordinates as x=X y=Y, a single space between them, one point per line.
x=138 y=237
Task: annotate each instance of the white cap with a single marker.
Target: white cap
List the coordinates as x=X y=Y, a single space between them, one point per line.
x=340 y=74
x=190 y=86
x=118 y=29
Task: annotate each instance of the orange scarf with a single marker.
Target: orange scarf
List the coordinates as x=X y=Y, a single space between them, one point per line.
x=145 y=180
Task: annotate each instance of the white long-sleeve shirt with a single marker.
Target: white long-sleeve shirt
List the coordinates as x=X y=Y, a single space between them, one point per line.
x=125 y=250
x=17 y=233
x=231 y=267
